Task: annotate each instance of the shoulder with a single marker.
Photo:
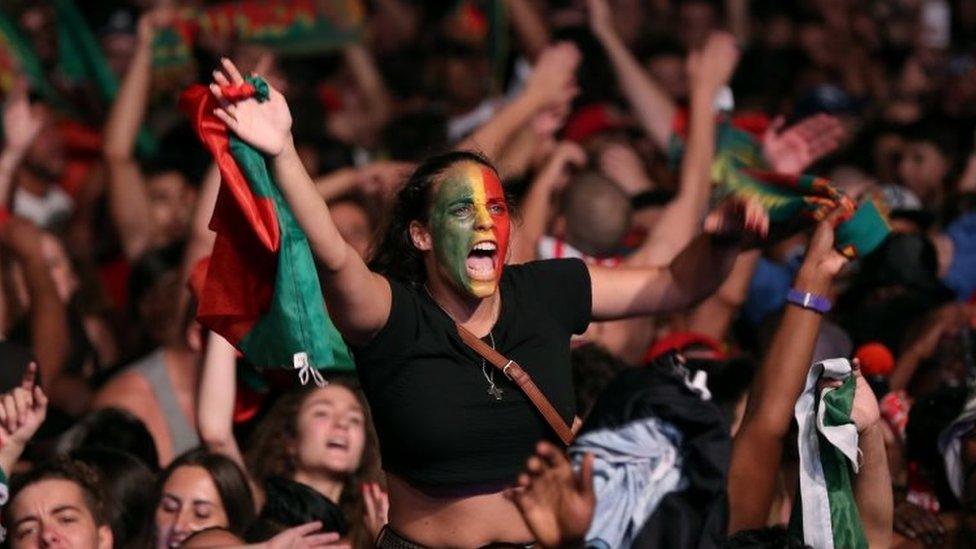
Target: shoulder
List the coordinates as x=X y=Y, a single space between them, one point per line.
x=128 y=389
x=544 y=268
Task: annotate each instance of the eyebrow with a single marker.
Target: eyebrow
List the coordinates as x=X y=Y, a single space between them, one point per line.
x=328 y=402
x=55 y=511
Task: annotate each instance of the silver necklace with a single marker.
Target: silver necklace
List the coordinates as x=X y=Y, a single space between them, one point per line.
x=494 y=390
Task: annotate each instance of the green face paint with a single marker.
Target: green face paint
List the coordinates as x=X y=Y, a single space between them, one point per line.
x=470 y=225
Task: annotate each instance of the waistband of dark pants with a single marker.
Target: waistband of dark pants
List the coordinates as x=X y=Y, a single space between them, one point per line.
x=390 y=539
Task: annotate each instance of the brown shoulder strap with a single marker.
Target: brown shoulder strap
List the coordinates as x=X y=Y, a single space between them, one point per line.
x=513 y=371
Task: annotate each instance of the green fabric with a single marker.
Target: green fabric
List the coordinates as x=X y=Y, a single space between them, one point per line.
x=844 y=517
x=740 y=170
x=18 y=47
x=297 y=320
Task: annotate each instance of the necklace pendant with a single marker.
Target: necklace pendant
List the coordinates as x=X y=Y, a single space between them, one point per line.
x=495 y=392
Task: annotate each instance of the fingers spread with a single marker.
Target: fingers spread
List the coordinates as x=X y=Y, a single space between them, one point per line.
x=231 y=69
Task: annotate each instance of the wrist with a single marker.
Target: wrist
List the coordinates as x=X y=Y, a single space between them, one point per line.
x=812 y=280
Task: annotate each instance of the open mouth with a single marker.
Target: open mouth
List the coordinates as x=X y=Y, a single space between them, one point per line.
x=480 y=263
x=336 y=443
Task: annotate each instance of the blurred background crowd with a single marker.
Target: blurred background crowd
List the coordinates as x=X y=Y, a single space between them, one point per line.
x=107 y=195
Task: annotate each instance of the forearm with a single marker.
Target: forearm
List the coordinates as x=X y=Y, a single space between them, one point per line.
x=490 y=138
x=129 y=107
x=653 y=106
x=699 y=270
x=336 y=184
x=784 y=369
x=529 y=27
x=128 y=202
x=215 y=401
x=535 y=217
x=682 y=218
x=872 y=488
x=49 y=320
x=714 y=316
x=368 y=77
x=9 y=162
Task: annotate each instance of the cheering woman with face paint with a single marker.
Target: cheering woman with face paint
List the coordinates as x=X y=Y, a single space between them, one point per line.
x=455 y=432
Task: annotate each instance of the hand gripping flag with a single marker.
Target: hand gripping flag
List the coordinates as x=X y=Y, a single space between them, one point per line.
x=261 y=290
x=826 y=512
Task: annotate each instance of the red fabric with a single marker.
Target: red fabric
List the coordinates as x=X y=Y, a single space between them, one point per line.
x=237 y=93
x=678 y=341
x=114 y=277
x=751 y=122
x=589 y=121
x=875 y=359
x=240 y=281
x=4 y=216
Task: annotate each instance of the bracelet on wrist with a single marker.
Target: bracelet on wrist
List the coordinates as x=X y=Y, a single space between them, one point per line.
x=809 y=300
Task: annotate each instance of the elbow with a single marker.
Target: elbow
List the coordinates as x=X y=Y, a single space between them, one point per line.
x=215 y=439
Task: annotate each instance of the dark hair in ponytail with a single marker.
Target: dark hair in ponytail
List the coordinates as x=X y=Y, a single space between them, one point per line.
x=394 y=254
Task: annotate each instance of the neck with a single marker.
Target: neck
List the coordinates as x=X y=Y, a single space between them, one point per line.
x=474 y=313
x=327 y=485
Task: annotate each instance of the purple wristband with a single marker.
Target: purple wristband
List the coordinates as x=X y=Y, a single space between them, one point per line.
x=807 y=300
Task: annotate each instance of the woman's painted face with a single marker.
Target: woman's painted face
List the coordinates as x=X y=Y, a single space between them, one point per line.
x=190 y=503
x=469 y=227
x=331 y=428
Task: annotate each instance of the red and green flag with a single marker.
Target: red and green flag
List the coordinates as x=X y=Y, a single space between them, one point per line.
x=740 y=172
x=261 y=291
x=287 y=27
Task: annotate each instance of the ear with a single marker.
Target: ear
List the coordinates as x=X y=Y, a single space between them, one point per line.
x=420 y=236
x=105 y=540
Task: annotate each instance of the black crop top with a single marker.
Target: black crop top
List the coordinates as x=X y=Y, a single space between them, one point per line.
x=436 y=423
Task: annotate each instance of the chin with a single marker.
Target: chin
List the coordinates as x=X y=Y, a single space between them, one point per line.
x=483 y=288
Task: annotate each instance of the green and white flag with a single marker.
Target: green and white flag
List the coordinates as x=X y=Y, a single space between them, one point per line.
x=827 y=442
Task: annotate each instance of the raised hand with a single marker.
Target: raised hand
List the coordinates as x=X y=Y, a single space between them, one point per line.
x=556 y=503
x=377 y=509
x=794 y=149
x=153 y=21
x=821 y=259
x=21 y=122
x=22 y=411
x=621 y=163
x=712 y=66
x=265 y=126
x=738 y=216
x=553 y=81
x=306 y=536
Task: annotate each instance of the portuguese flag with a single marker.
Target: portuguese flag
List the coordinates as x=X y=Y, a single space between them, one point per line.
x=261 y=291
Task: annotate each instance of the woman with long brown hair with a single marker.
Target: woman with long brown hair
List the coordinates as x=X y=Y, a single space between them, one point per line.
x=454 y=433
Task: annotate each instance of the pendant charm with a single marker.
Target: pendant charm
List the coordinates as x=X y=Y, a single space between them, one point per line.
x=495 y=391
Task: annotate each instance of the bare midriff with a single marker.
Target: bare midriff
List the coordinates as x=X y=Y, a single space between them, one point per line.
x=436 y=519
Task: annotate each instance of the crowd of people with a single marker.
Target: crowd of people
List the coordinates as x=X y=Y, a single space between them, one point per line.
x=609 y=273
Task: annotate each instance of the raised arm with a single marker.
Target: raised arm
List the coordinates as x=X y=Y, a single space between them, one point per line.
x=778 y=384
x=21 y=125
x=50 y=341
x=215 y=399
x=370 y=81
x=529 y=27
x=128 y=197
x=358 y=299
x=536 y=205
x=653 y=106
x=551 y=84
x=708 y=70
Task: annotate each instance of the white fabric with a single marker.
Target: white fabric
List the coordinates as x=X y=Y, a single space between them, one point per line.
x=635 y=466
x=817 y=528
x=44 y=211
x=950 y=444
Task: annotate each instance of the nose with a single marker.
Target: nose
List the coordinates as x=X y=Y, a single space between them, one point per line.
x=50 y=537
x=483 y=220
